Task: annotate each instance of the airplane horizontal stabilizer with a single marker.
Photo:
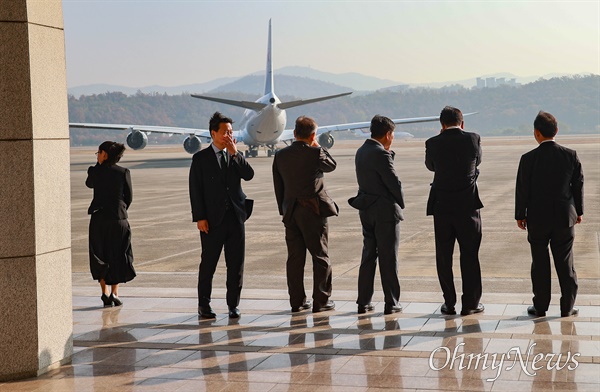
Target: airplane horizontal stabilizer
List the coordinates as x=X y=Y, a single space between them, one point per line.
x=291 y=104
x=256 y=106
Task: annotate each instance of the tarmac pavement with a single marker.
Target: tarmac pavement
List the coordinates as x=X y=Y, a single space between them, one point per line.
x=166 y=242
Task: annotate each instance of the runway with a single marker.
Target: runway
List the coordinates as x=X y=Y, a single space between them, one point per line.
x=166 y=242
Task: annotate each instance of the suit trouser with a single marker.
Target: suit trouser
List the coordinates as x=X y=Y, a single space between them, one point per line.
x=230 y=234
x=380 y=240
x=307 y=230
x=466 y=229
x=561 y=245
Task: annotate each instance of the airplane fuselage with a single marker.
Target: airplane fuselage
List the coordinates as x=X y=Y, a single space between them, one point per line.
x=265 y=126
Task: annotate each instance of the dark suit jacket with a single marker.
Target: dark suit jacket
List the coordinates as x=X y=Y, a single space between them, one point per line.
x=549 y=186
x=379 y=189
x=112 y=190
x=454 y=156
x=298 y=177
x=211 y=190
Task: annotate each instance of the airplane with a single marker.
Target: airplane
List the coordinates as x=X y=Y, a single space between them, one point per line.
x=262 y=124
x=366 y=134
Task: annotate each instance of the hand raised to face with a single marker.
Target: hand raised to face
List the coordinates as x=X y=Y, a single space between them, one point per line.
x=230 y=144
x=223 y=138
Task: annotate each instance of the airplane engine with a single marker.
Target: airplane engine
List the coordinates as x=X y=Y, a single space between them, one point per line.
x=192 y=144
x=137 y=140
x=326 y=140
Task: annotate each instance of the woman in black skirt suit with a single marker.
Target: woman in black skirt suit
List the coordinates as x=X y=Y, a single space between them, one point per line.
x=111 y=256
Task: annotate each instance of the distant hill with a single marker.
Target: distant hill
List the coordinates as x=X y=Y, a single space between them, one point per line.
x=505 y=110
x=471 y=82
x=249 y=84
x=174 y=90
x=284 y=84
x=353 y=80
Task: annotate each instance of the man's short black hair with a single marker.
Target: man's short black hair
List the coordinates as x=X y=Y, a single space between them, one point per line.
x=380 y=126
x=305 y=126
x=546 y=124
x=216 y=120
x=451 y=116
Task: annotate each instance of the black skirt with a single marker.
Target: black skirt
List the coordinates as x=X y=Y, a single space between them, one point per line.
x=111 y=256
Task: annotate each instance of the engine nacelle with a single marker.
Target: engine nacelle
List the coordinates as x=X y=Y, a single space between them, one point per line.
x=137 y=140
x=326 y=140
x=192 y=144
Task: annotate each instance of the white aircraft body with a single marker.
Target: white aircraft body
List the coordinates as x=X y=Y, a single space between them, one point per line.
x=263 y=122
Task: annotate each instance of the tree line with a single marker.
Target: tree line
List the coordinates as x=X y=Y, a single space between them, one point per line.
x=504 y=110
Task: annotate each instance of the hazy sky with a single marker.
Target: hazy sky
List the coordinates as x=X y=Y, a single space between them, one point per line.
x=169 y=42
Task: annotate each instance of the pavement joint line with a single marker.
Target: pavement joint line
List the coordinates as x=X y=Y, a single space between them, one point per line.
x=167 y=257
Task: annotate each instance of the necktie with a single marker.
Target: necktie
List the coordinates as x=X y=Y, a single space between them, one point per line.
x=223 y=160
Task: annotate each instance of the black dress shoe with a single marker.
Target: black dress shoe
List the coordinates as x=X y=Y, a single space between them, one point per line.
x=206 y=312
x=389 y=309
x=572 y=312
x=306 y=305
x=534 y=312
x=365 y=308
x=465 y=312
x=106 y=300
x=447 y=309
x=234 y=313
x=330 y=305
x=115 y=300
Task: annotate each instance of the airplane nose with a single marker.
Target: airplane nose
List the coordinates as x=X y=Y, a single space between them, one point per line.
x=272 y=100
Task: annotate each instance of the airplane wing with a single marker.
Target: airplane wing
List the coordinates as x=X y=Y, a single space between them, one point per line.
x=205 y=133
x=288 y=134
x=367 y=124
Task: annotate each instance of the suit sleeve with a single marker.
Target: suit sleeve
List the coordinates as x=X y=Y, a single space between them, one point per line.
x=390 y=178
x=243 y=167
x=428 y=157
x=127 y=189
x=478 y=147
x=577 y=186
x=522 y=190
x=326 y=162
x=197 y=191
x=89 y=181
x=278 y=185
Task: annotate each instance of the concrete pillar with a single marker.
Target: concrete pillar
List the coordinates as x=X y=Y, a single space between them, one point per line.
x=36 y=321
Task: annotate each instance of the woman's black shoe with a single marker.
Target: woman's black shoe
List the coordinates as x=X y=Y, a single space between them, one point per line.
x=107 y=300
x=115 y=300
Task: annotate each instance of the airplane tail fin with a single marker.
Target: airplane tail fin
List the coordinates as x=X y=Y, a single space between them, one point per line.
x=269 y=90
x=269 y=87
x=256 y=106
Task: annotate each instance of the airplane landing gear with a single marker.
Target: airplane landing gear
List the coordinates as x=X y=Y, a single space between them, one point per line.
x=271 y=150
x=252 y=151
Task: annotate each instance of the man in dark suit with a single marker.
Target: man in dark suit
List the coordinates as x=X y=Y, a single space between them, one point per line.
x=454 y=203
x=305 y=205
x=548 y=204
x=380 y=202
x=220 y=208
